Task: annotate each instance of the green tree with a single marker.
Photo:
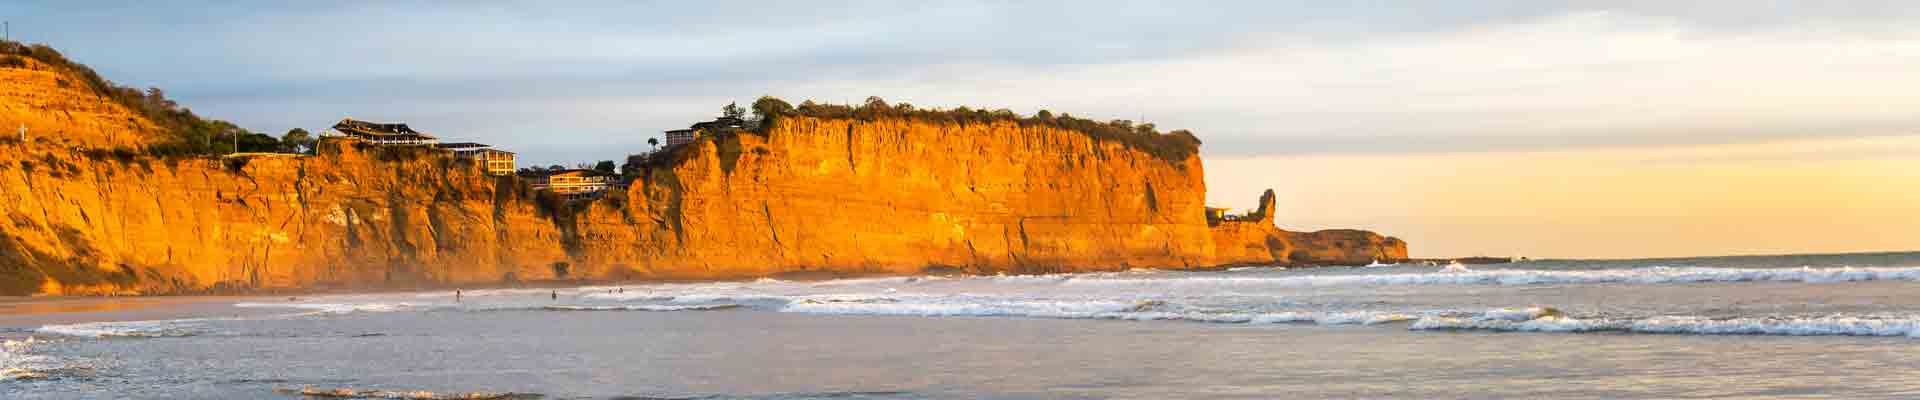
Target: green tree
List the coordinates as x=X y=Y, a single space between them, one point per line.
x=604 y=166
x=653 y=142
x=296 y=141
x=769 y=107
x=732 y=110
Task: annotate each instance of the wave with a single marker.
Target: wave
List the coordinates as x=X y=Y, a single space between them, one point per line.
x=1144 y=310
x=1694 y=325
x=344 y=308
x=130 y=329
x=1464 y=276
x=644 y=307
x=349 y=393
x=19 y=361
x=17 y=364
x=689 y=298
x=1529 y=319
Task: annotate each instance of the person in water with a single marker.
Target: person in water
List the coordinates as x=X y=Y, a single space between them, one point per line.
x=556 y=295
x=456 y=295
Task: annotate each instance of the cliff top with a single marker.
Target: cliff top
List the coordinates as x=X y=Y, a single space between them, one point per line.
x=1174 y=147
x=53 y=96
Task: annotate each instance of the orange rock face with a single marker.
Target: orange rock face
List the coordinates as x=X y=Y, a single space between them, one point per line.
x=807 y=196
x=897 y=196
x=57 y=106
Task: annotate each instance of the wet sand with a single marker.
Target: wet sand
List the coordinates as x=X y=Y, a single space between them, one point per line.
x=26 y=313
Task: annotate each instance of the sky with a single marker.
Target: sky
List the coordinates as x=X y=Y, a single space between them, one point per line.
x=1508 y=128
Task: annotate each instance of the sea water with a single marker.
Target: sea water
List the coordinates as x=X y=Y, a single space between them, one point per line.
x=1758 y=327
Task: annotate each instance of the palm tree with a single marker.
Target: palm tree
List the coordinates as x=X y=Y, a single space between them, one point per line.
x=655 y=142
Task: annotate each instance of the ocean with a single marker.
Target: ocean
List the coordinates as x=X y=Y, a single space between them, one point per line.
x=1843 y=326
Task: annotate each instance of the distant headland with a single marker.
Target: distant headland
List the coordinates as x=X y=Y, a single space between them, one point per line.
x=109 y=190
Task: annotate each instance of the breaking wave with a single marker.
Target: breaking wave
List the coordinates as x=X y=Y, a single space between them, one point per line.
x=1836 y=325
x=344 y=308
x=1464 y=276
x=134 y=329
x=350 y=393
x=1144 y=310
x=645 y=307
x=19 y=361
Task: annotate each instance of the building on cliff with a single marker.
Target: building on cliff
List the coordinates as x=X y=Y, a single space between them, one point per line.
x=389 y=134
x=575 y=183
x=497 y=162
x=722 y=125
x=680 y=136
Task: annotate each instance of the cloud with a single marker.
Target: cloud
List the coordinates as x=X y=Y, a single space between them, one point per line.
x=583 y=81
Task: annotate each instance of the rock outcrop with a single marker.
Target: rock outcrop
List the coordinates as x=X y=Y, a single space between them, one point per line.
x=1253 y=239
x=808 y=195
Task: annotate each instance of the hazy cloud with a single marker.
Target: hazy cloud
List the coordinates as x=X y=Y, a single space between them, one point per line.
x=580 y=81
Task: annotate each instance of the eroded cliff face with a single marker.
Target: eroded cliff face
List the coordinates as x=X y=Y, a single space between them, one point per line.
x=809 y=195
x=55 y=105
x=900 y=196
x=80 y=225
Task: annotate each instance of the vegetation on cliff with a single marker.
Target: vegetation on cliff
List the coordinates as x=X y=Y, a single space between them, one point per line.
x=877 y=188
x=1175 y=146
x=189 y=133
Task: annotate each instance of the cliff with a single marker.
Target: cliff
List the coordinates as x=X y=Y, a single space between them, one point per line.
x=1254 y=239
x=55 y=103
x=807 y=195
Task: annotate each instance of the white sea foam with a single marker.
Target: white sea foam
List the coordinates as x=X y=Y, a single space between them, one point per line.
x=18 y=362
x=148 y=329
x=644 y=307
x=1013 y=308
x=1144 y=310
x=1837 y=325
x=1652 y=275
x=1816 y=326
x=344 y=308
x=634 y=296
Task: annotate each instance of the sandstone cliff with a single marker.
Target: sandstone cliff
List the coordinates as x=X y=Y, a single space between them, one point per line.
x=893 y=195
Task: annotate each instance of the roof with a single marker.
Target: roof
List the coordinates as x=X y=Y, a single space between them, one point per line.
x=577 y=172
x=461 y=145
x=377 y=128
x=724 y=122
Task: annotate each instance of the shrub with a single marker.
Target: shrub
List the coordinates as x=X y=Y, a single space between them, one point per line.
x=189 y=133
x=1175 y=146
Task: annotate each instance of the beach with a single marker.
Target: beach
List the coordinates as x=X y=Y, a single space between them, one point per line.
x=1752 y=327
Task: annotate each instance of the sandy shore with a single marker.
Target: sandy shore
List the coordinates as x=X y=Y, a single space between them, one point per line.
x=18 y=313
x=28 y=312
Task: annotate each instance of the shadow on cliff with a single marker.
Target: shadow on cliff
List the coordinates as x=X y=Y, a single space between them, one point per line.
x=24 y=270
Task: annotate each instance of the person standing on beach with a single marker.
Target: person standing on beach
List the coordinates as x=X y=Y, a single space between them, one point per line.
x=556 y=295
x=456 y=295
